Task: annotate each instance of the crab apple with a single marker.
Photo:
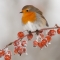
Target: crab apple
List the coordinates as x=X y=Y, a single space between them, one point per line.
x=20 y=35
x=52 y=32
x=30 y=36
x=15 y=50
x=35 y=43
x=24 y=49
x=42 y=43
x=58 y=30
x=48 y=38
x=2 y=52
x=24 y=43
x=16 y=42
x=20 y=50
x=7 y=57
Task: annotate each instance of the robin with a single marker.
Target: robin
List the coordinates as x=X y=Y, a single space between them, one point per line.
x=32 y=18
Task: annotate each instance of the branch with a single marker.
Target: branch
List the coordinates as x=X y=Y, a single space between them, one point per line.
x=55 y=27
x=20 y=44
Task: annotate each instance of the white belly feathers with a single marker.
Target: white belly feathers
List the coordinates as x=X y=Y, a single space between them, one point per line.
x=31 y=26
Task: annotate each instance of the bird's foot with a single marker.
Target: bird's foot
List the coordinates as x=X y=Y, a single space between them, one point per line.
x=29 y=32
x=37 y=32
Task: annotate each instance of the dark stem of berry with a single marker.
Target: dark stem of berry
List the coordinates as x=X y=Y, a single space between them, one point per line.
x=37 y=32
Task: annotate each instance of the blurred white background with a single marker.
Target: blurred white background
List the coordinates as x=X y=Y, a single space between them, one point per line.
x=10 y=25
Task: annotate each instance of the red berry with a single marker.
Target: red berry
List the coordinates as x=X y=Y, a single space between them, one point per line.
x=48 y=38
x=24 y=43
x=30 y=36
x=7 y=57
x=15 y=50
x=20 y=50
x=42 y=43
x=2 y=52
x=20 y=35
x=16 y=42
x=51 y=32
x=24 y=50
x=58 y=30
x=35 y=43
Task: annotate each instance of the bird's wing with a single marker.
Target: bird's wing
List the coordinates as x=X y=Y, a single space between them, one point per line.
x=38 y=12
x=41 y=20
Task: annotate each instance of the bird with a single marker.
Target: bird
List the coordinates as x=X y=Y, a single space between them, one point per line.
x=32 y=18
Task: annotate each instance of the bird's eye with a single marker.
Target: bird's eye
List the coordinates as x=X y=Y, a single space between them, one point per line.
x=27 y=10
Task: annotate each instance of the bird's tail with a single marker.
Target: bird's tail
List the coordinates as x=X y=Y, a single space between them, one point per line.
x=47 y=24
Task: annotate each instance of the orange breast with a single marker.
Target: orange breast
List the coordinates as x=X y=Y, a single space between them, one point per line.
x=28 y=16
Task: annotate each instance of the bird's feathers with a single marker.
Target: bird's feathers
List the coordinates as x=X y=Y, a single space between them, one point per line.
x=31 y=26
x=40 y=21
x=36 y=10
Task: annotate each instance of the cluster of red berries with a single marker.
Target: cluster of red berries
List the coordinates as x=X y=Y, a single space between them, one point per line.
x=44 y=40
x=22 y=35
x=20 y=44
x=6 y=54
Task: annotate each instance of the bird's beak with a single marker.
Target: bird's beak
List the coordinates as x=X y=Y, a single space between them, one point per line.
x=21 y=12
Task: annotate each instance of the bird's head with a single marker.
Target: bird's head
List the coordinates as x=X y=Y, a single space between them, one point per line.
x=29 y=13
x=27 y=9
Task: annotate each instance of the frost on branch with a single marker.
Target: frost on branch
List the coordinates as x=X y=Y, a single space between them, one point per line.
x=20 y=44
